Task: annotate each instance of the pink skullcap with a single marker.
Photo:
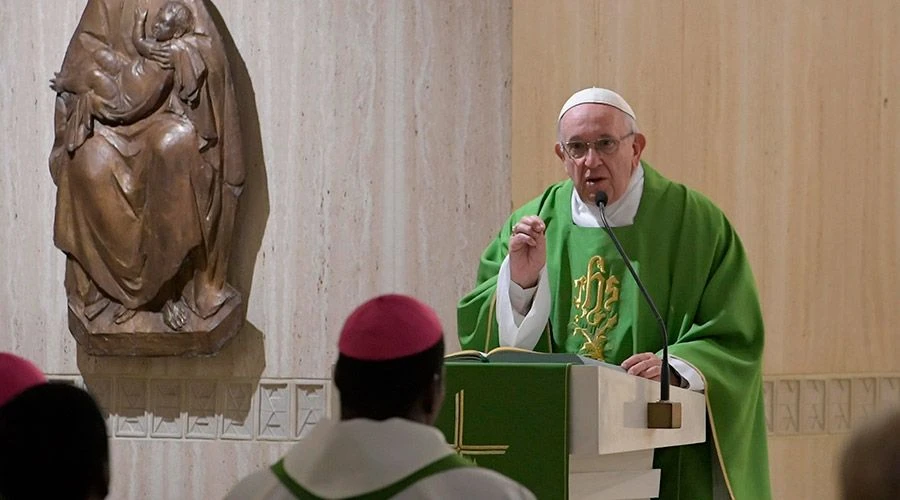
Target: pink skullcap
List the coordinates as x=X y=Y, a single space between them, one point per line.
x=16 y=375
x=389 y=327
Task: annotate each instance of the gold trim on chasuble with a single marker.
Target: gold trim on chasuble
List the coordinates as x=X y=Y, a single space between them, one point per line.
x=712 y=426
x=596 y=306
x=470 y=449
x=490 y=324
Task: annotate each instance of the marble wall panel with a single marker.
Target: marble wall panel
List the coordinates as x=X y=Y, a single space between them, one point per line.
x=378 y=160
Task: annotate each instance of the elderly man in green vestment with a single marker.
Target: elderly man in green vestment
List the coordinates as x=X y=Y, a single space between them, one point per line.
x=552 y=281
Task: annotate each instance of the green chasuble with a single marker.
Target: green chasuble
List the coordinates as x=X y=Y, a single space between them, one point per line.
x=694 y=266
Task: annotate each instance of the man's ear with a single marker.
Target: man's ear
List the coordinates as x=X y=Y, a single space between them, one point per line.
x=638 y=145
x=559 y=152
x=434 y=398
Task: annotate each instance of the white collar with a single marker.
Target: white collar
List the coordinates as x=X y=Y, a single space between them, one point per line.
x=345 y=458
x=620 y=213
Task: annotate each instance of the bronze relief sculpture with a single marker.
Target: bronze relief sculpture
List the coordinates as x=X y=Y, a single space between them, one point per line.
x=148 y=164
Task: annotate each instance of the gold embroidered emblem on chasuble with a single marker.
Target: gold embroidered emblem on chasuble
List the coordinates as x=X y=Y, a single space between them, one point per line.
x=595 y=302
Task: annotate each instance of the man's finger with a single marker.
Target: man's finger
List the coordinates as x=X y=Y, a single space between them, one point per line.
x=520 y=240
x=529 y=222
x=643 y=366
x=635 y=359
x=652 y=373
x=637 y=368
x=536 y=224
x=525 y=229
x=527 y=232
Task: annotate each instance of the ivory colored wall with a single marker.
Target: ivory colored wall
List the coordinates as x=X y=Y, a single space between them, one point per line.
x=380 y=166
x=786 y=114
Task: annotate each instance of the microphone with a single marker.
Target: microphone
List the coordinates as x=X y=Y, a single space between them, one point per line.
x=663 y=414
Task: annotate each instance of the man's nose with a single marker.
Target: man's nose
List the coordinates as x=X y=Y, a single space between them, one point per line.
x=592 y=158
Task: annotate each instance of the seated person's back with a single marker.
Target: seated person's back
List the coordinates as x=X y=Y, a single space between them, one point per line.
x=45 y=455
x=391 y=380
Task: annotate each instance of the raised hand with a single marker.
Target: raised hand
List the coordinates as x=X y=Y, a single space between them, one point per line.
x=527 y=251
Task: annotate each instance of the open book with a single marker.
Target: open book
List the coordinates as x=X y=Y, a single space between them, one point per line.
x=518 y=355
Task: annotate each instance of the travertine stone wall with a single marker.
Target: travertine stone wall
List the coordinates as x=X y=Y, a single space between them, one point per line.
x=381 y=164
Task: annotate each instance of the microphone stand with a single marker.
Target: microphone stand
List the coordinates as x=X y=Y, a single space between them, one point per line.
x=662 y=414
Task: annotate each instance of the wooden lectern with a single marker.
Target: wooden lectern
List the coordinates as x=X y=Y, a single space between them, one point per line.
x=610 y=446
x=564 y=430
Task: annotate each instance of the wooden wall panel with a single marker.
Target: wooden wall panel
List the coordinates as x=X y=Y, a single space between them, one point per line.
x=559 y=47
x=785 y=113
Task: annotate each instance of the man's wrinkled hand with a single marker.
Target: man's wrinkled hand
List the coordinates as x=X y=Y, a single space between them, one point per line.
x=527 y=250
x=645 y=364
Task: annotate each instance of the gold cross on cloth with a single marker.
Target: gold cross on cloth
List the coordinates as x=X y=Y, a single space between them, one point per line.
x=470 y=449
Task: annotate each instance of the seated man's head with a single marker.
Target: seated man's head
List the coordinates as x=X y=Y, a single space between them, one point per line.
x=173 y=20
x=391 y=361
x=54 y=445
x=16 y=375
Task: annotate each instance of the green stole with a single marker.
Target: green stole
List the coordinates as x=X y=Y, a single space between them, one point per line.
x=452 y=461
x=694 y=266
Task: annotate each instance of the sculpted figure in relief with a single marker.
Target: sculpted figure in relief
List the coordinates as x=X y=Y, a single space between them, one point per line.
x=148 y=164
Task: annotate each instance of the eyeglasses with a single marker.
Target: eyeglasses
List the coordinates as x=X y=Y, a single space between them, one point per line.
x=605 y=145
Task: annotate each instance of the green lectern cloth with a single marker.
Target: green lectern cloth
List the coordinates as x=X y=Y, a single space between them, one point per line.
x=511 y=418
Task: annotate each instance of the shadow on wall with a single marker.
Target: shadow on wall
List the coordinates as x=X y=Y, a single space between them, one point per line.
x=214 y=394
x=199 y=398
x=253 y=211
